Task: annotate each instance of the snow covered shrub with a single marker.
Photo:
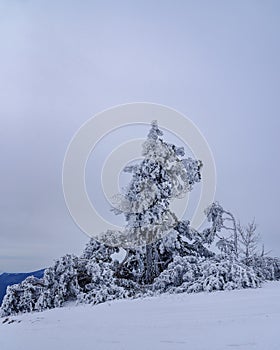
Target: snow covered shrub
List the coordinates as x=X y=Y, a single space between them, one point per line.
x=102 y=285
x=225 y=274
x=61 y=283
x=195 y=274
x=267 y=268
x=98 y=275
x=22 y=297
x=89 y=278
x=182 y=269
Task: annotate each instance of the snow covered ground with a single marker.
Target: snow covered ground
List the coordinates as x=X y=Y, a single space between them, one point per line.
x=240 y=319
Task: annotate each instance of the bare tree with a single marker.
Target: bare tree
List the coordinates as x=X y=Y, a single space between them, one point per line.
x=248 y=240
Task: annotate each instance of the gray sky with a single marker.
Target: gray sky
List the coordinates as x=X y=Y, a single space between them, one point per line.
x=63 y=61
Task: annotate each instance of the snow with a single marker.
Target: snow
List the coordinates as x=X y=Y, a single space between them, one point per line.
x=239 y=319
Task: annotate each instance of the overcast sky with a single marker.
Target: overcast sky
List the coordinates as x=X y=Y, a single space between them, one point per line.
x=63 y=61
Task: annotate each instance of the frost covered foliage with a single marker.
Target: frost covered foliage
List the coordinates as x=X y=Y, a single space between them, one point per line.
x=97 y=275
x=193 y=274
x=60 y=283
x=181 y=241
x=22 y=297
x=224 y=227
x=89 y=278
x=160 y=177
x=102 y=284
x=267 y=268
x=98 y=252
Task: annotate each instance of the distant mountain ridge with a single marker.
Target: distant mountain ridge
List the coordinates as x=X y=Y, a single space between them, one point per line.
x=7 y=279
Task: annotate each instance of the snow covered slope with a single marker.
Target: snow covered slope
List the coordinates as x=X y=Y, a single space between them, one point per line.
x=240 y=319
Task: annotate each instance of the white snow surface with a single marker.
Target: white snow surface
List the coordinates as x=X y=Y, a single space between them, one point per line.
x=239 y=319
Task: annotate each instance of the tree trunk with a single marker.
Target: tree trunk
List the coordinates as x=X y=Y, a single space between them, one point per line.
x=152 y=269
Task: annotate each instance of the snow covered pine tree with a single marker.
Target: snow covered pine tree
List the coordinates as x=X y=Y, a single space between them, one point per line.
x=153 y=233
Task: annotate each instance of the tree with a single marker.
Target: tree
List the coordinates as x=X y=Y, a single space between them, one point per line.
x=219 y=217
x=162 y=176
x=248 y=239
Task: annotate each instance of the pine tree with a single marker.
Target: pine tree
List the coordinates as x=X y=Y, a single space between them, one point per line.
x=162 y=176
